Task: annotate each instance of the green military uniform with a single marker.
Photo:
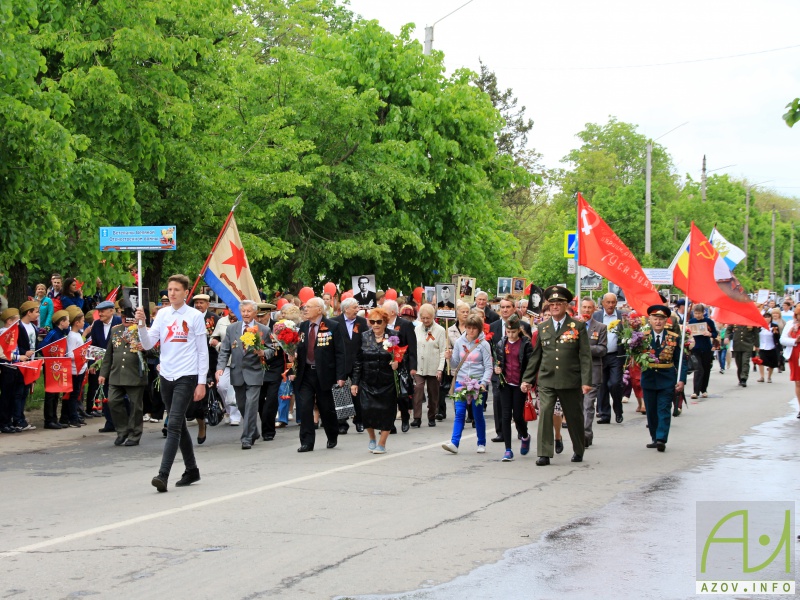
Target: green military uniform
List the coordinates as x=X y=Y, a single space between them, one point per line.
x=123 y=371
x=562 y=360
x=744 y=340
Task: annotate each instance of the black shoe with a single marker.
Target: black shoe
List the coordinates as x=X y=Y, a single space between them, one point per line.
x=131 y=443
x=469 y=420
x=559 y=446
x=416 y=423
x=359 y=428
x=576 y=458
x=404 y=427
x=10 y=429
x=83 y=414
x=96 y=413
x=331 y=445
x=106 y=429
x=676 y=412
x=542 y=461
x=268 y=437
x=164 y=431
x=189 y=477
x=200 y=440
x=159 y=482
x=431 y=422
x=305 y=448
x=652 y=445
x=53 y=425
x=618 y=418
x=661 y=446
x=120 y=439
x=343 y=429
x=393 y=430
x=316 y=425
x=743 y=383
x=497 y=438
x=246 y=445
x=587 y=441
x=440 y=417
x=604 y=421
x=63 y=422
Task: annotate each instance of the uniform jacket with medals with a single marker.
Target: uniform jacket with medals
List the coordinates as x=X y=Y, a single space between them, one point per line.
x=562 y=360
x=662 y=377
x=120 y=366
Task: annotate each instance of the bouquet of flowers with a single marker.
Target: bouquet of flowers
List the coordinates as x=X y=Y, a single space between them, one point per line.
x=251 y=341
x=392 y=345
x=467 y=391
x=130 y=336
x=286 y=335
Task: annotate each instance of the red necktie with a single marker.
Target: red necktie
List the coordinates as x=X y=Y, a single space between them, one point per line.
x=312 y=340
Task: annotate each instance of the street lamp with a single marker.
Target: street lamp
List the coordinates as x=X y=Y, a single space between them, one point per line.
x=648 y=204
x=428 y=47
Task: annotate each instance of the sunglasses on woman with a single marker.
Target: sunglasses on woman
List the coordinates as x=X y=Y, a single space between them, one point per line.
x=375 y=321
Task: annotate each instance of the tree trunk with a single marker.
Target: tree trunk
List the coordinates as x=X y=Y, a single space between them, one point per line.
x=18 y=286
x=152 y=276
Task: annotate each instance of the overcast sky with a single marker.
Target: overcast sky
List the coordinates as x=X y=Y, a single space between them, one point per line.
x=556 y=56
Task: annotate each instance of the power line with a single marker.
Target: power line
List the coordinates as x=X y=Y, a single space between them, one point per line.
x=453 y=11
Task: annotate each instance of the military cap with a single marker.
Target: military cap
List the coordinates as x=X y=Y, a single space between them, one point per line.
x=29 y=305
x=58 y=315
x=514 y=322
x=659 y=310
x=8 y=313
x=556 y=293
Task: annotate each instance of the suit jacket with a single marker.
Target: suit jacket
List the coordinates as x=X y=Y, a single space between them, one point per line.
x=369 y=299
x=329 y=356
x=664 y=379
x=561 y=360
x=493 y=317
x=408 y=337
x=352 y=344
x=598 y=316
x=246 y=367
x=97 y=336
x=121 y=366
x=598 y=344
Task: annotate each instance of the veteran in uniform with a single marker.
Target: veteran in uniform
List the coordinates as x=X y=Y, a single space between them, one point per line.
x=126 y=371
x=745 y=341
x=660 y=381
x=562 y=361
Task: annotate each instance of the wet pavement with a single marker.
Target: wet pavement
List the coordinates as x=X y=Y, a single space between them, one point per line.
x=642 y=544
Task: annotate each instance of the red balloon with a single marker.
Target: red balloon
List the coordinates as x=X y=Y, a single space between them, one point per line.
x=417 y=294
x=305 y=294
x=329 y=288
x=346 y=295
x=390 y=294
x=281 y=303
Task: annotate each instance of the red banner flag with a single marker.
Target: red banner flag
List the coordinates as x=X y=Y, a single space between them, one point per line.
x=55 y=350
x=8 y=340
x=30 y=370
x=601 y=250
x=710 y=281
x=79 y=355
x=58 y=375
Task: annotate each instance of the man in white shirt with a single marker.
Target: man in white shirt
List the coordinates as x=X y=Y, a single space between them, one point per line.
x=610 y=394
x=181 y=330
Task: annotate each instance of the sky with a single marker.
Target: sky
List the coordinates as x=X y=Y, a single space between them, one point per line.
x=562 y=59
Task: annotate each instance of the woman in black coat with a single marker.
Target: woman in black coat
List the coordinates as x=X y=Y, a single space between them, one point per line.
x=373 y=376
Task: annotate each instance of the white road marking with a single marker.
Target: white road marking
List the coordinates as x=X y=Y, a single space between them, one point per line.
x=209 y=502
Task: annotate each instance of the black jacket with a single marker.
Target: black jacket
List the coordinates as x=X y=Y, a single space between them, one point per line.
x=525 y=351
x=372 y=364
x=408 y=337
x=329 y=358
x=351 y=344
x=496 y=329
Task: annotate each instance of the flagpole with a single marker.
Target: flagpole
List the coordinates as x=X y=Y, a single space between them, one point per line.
x=214 y=247
x=577 y=247
x=685 y=309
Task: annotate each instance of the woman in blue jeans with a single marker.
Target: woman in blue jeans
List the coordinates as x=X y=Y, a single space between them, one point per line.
x=471 y=359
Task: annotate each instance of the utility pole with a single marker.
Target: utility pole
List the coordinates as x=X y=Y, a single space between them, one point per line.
x=746 y=220
x=772 y=255
x=428 y=47
x=791 y=256
x=648 y=197
x=703 y=180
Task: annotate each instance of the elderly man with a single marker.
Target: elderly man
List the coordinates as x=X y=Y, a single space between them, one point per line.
x=320 y=365
x=407 y=338
x=353 y=326
x=247 y=373
x=100 y=333
x=431 y=345
x=610 y=392
x=482 y=302
x=598 y=344
x=273 y=377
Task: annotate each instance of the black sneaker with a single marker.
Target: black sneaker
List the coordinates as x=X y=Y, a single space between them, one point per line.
x=52 y=425
x=160 y=482
x=189 y=477
x=559 y=446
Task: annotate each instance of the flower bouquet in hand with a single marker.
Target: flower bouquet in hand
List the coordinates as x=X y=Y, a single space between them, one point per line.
x=130 y=336
x=468 y=391
x=252 y=342
x=392 y=345
x=286 y=335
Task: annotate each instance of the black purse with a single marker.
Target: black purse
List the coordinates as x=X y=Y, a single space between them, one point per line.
x=215 y=410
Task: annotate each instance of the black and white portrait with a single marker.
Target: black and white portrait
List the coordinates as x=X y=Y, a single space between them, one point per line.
x=130 y=302
x=613 y=288
x=519 y=287
x=364 y=290
x=535 y=300
x=503 y=286
x=590 y=281
x=446 y=300
x=430 y=293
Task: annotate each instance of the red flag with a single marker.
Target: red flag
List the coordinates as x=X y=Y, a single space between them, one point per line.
x=8 y=340
x=58 y=375
x=601 y=250
x=30 y=370
x=79 y=355
x=55 y=349
x=710 y=281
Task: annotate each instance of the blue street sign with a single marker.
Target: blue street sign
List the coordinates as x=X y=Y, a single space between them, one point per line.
x=570 y=243
x=158 y=237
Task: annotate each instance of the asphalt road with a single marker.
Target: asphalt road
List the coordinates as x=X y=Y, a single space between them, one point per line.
x=80 y=518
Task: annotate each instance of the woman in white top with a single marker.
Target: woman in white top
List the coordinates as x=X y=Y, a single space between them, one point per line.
x=768 y=349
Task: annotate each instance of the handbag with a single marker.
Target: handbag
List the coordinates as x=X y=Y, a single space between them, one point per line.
x=343 y=400
x=216 y=409
x=530 y=413
x=406 y=382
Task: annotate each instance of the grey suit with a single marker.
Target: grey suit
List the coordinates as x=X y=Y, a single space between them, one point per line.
x=247 y=375
x=598 y=344
x=609 y=396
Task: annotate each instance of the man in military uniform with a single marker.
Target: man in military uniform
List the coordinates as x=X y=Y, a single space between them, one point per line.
x=660 y=381
x=745 y=342
x=126 y=374
x=562 y=361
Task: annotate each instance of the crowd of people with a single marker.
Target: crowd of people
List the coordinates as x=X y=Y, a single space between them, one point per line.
x=184 y=359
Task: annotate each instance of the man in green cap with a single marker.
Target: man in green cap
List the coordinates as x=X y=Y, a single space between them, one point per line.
x=562 y=361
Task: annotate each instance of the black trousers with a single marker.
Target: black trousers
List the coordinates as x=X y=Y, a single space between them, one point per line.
x=311 y=391
x=512 y=401
x=268 y=406
x=610 y=394
x=705 y=360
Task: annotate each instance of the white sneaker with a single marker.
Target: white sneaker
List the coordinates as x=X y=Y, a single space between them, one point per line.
x=291 y=418
x=226 y=419
x=450 y=447
x=234 y=423
x=146 y=418
x=481 y=449
x=28 y=427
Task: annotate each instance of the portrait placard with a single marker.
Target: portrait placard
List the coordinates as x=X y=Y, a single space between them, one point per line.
x=519 y=287
x=130 y=302
x=466 y=289
x=504 y=286
x=445 y=301
x=364 y=291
